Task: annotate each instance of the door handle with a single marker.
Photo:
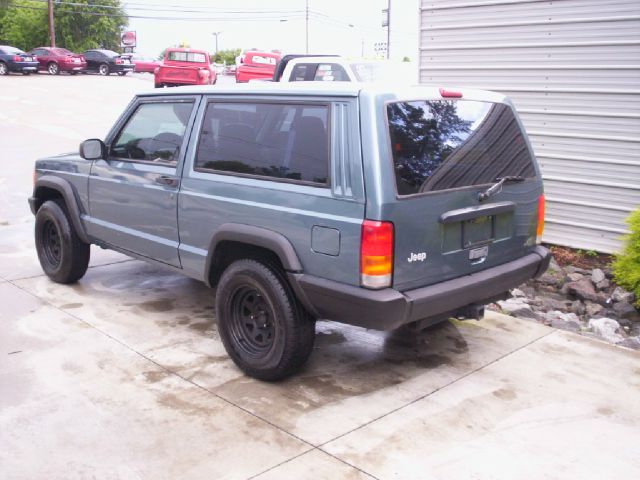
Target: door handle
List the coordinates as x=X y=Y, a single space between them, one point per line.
x=167 y=180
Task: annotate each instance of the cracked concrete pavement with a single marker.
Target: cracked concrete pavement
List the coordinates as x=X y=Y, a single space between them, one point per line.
x=123 y=375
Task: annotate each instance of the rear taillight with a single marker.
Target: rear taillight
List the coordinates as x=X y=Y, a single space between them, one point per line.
x=118 y=61
x=540 y=227
x=445 y=93
x=376 y=254
x=17 y=58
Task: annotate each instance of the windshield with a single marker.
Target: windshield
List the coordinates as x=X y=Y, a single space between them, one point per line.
x=443 y=144
x=187 y=57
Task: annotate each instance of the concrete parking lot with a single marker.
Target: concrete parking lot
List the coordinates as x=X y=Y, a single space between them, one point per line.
x=123 y=375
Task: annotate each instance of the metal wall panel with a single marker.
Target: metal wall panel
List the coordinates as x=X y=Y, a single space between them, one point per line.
x=572 y=68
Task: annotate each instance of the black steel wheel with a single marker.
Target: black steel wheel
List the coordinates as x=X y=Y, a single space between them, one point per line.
x=62 y=255
x=264 y=329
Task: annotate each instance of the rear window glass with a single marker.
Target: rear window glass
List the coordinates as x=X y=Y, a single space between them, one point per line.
x=262 y=60
x=187 y=57
x=444 y=144
x=282 y=141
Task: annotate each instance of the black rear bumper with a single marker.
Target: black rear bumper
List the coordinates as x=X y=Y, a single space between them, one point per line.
x=388 y=309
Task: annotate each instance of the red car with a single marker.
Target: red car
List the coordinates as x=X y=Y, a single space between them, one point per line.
x=184 y=66
x=145 y=64
x=56 y=60
x=257 y=65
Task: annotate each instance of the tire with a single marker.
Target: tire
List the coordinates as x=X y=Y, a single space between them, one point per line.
x=26 y=73
x=4 y=70
x=53 y=68
x=122 y=74
x=62 y=255
x=159 y=85
x=264 y=329
x=73 y=73
x=103 y=69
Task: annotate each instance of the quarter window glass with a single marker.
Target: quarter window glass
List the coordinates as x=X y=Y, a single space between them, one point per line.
x=440 y=144
x=269 y=140
x=154 y=133
x=331 y=72
x=302 y=72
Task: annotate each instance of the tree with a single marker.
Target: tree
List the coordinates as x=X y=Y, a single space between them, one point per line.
x=227 y=56
x=83 y=25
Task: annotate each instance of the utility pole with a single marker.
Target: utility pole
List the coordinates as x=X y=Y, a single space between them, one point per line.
x=306 y=19
x=388 y=28
x=216 y=34
x=52 y=29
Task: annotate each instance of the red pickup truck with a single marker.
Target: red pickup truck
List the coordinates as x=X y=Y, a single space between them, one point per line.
x=184 y=66
x=257 y=65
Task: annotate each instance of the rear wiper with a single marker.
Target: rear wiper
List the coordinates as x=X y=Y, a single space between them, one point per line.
x=497 y=187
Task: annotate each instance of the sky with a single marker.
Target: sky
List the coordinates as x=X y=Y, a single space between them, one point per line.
x=344 y=27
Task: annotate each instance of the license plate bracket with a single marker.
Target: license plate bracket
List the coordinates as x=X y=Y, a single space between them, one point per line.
x=477 y=231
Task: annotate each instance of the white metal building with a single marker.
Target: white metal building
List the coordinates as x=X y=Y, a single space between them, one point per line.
x=572 y=67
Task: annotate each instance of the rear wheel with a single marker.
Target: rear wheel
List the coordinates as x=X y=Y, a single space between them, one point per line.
x=103 y=69
x=73 y=73
x=4 y=70
x=26 y=73
x=122 y=74
x=264 y=329
x=53 y=68
x=62 y=255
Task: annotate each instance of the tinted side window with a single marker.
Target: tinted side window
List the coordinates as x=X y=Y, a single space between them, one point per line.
x=331 y=72
x=269 y=140
x=303 y=72
x=439 y=144
x=153 y=133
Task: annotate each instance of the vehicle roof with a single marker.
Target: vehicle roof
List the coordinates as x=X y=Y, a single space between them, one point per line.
x=181 y=49
x=389 y=91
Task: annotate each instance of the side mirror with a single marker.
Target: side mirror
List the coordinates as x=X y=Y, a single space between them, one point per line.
x=93 y=149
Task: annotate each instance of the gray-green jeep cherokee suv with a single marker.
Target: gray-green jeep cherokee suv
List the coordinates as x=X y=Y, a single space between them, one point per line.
x=371 y=205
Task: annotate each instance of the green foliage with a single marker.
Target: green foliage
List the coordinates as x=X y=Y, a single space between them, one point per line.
x=227 y=56
x=626 y=267
x=23 y=24
x=591 y=253
x=406 y=59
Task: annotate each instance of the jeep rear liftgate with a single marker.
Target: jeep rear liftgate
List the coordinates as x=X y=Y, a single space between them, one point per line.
x=466 y=187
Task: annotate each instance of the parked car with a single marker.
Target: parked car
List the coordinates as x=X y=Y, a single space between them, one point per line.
x=144 y=64
x=184 y=66
x=325 y=68
x=257 y=65
x=376 y=206
x=13 y=59
x=105 y=62
x=56 y=60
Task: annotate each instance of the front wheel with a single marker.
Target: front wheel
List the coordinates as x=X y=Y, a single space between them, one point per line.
x=62 y=255
x=264 y=329
x=26 y=73
x=103 y=69
x=4 y=70
x=122 y=74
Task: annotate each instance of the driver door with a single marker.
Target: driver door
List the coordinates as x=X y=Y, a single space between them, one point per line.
x=133 y=192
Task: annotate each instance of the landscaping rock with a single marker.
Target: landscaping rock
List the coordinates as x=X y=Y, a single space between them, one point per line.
x=582 y=289
x=572 y=269
x=631 y=342
x=626 y=310
x=517 y=308
x=593 y=309
x=597 y=276
x=575 y=277
x=578 y=307
x=603 y=285
x=517 y=293
x=607 y=329
x=550 y=303
x=621 y=295
x=550 y=279
x=563 y=321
